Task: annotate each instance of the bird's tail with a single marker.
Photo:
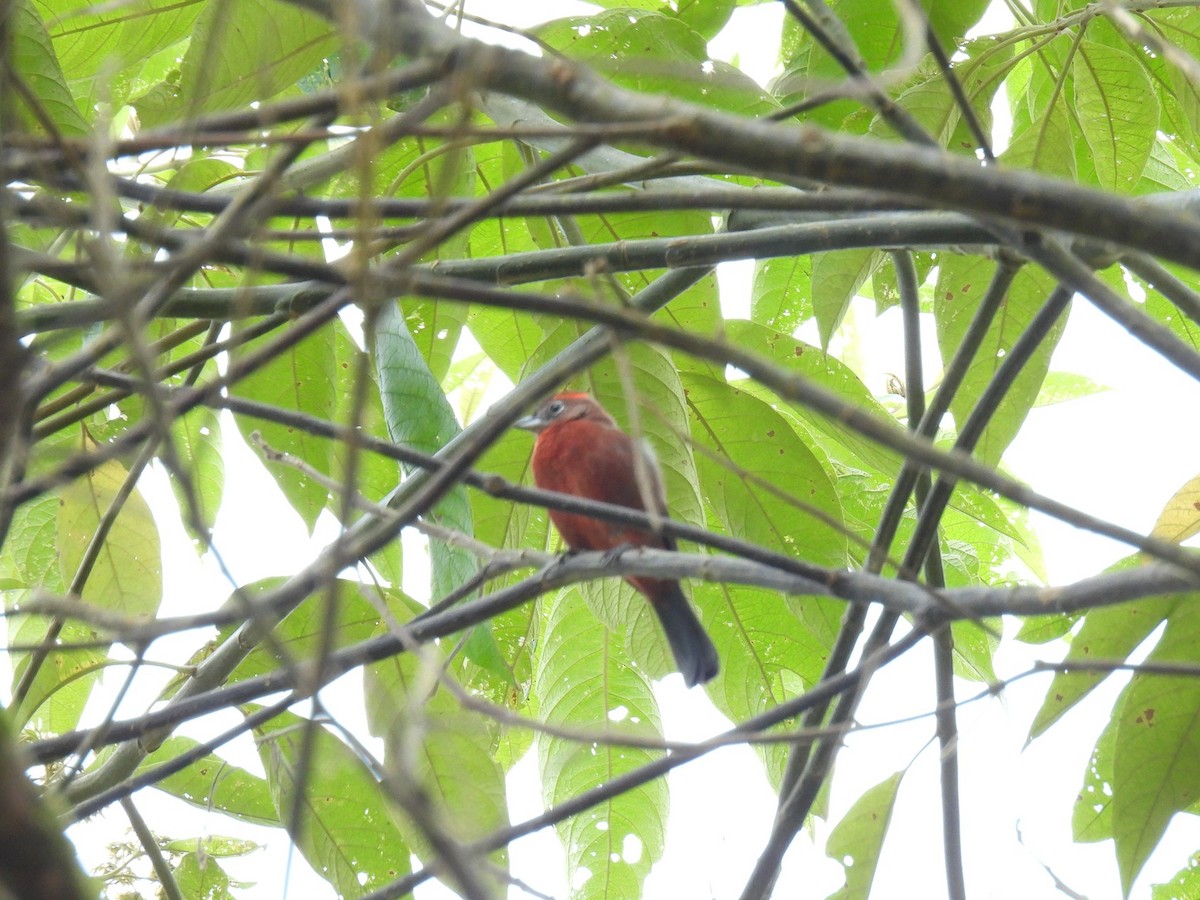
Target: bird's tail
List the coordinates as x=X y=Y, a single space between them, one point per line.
x=694 y=652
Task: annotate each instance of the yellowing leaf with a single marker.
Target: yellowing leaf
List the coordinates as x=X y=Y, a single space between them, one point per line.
x=126 y=576
x=1180 y=518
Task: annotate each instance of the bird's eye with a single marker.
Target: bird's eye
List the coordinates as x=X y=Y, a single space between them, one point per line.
x=555 y=409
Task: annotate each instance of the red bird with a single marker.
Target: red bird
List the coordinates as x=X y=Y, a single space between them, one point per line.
x=581 y=451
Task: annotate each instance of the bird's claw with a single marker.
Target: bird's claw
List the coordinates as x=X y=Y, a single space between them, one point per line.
x=612 y=554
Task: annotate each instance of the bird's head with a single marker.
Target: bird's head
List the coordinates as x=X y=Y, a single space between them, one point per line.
x=562 y=408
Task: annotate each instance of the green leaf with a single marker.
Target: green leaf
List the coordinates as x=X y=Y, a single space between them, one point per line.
x=980 y=72
x=983 y=507
x=197 y=437
x=764 y=484
x=35 y=62
x=845 y=447
x=346 y=830
x=1091 y=819
x=126 y=576
x=29 y=548
x=961 y=283
x=213 y=845
x=300 y=378
x=418 y=415
x=1166 y=170
x=653 y=53
x=63 y=684
x=308 y=628
x=1166 y=312
x=1061 y=387
x=857 y=840
x=836 y=278
x=1178 y=26
x=973 y=650
x=951 y=19
x=874 y=32
x=449 y=751
x=376 y=475
x=213 y=783
x=509 y=337
x=200 y=877
x=1117 y=111
x=705 y=17
x=1040 y=144
x=768 y=487
x=1156 y=759
x=1043 y=629
x=768 y=654
x=200 y=174
x=106 y=52
x=235 y=60
x=781 y=295
x=1185 y=884
x=581 y=683
x=1107 y=633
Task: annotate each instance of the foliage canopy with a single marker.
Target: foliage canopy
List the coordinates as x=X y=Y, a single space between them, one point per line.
x=363 y=241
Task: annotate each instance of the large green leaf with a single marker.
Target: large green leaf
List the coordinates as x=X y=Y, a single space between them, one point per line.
x=376 y=475
x=1186 y=883
x=1041 y=132
x=345 y=827
x=199 y=876
x=873 y=37
x=856 y=841
x=654 y=53
x=845 y=447
x=1107 y=633
x=836 y=278
x=1117 y=111
x=961 y=283
x=766 y=486
x=418 y=415
x=30 y=557
x=581 y=683
x=448 y=751
x=781 y=294
x=105 y=51
x=768 y=653
x=309 y=628
x=1180 y=93
x=1091 y=819
x=302 y=378
x=33 y=59
x=1156 y=756
x=213 y=783
x=235 y=60
x=197 y=438
x=63 y=684
x=126 y=576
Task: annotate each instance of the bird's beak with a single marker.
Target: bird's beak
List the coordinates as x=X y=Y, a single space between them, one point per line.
x=530 y=423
